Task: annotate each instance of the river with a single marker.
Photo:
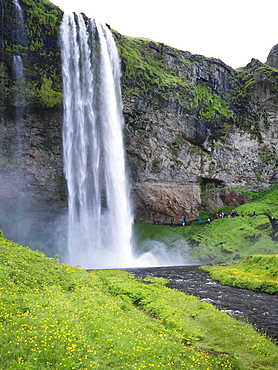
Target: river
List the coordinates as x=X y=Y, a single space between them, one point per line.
x=259 y=309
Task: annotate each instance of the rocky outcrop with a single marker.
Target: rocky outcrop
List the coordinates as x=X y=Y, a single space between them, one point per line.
x=188 y=155
x=195 y=129
x=272 y=59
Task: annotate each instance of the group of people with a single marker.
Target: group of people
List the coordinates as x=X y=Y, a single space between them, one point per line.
x=200 y=221
x=224 y=215
x=219 y=215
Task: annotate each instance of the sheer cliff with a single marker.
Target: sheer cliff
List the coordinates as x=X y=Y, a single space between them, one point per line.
x=195 y=129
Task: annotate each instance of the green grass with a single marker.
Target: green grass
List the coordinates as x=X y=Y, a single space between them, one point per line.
x=259 y=273
x=223 y=239
x=54 y=316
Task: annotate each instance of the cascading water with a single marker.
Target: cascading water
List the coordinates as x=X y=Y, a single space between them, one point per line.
x=17 y=67
x=20 y=40
x=19 y=30
x=99 y=210
x=100 y=216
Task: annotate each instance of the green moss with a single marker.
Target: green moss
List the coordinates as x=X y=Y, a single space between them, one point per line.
x=149 y=76
x=268 y=71
x=146 y=72
x=45 y=11
x=40 y=54
x=211 y=106
x=47 y=96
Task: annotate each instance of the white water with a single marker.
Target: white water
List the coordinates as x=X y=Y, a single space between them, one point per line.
x=99 y=210
x=20 y=37
x=17 y=67
x=18 y=8
x=100 y=216
x=19 y=30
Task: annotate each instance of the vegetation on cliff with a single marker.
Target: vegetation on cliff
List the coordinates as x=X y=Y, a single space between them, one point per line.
x=162 y=77
x=186 y=107
x=253 y=80
x=219 y=97
x=34 y=37
x=56 y=316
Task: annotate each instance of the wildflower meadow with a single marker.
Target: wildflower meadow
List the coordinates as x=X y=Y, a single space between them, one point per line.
x=55 y=316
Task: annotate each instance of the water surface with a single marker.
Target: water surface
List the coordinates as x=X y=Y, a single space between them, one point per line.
x=259 y=309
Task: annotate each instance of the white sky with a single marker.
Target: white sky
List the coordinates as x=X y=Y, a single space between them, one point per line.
x=234 y=31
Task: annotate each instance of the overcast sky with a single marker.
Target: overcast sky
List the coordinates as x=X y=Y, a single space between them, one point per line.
x=234 y=31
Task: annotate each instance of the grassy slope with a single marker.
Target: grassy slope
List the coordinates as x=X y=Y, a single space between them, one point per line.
x=223 y=239
x=258 y=273
x=56 y=316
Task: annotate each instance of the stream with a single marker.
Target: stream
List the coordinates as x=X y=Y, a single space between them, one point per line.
x=259 y=309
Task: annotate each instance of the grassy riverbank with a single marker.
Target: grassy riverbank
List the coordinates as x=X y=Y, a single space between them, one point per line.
x=259 y=273
x=223 y=239
x=54 y=316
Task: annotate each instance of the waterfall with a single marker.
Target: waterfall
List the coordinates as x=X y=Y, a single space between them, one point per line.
x=99 y=210
x=17 y=67
x=19 y=31
x=20 y=40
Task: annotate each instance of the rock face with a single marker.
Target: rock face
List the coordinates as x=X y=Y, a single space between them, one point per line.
x=272 y=59
x=31 y=110
x=31 y=153
x=187 y=157
x=195 y=129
